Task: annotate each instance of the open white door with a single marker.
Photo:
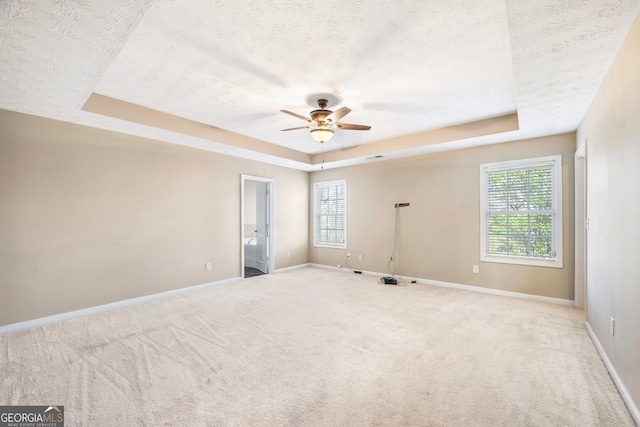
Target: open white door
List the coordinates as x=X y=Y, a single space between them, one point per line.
x=262 y=227
x=257 y=195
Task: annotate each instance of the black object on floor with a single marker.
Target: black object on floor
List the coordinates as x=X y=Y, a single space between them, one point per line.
x=252 y=272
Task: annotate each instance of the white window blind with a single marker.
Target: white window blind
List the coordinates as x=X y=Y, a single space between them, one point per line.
x=521 y=211
x=330 y=214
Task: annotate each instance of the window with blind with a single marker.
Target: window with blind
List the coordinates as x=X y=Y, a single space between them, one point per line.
x=330 y=214
x=521 y=211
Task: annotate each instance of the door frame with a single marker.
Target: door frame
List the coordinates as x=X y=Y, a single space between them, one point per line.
x=581 y=292
x=270 y=221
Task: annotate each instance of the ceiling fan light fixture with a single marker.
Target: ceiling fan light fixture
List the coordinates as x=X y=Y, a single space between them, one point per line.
x=322 y=134
x=322 y=121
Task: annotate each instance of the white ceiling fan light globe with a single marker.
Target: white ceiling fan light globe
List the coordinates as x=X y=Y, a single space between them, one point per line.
x=322 y=134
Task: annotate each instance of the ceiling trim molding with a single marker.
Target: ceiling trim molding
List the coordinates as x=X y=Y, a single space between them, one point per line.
x=118 y=109
x=494 y=125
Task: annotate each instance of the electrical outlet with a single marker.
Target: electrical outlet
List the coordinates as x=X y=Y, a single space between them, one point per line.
x=476 y=269
x=360 y=257
x=207 y=266
x=288 y=254
x=612 y=326
x=348 y=254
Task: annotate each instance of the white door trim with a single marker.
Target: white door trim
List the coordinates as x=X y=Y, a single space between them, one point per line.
x=271 y=220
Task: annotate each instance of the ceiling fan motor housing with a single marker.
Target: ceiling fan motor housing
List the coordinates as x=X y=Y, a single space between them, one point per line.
x=319 y=116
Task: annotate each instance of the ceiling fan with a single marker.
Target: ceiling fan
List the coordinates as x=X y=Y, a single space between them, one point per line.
x=323 y=121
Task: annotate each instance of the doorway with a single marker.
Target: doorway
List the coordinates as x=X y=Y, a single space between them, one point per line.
x=257 y=226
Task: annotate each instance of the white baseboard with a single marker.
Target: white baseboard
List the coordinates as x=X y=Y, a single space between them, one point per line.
x=633 y=408
x=36 y=323
x=464 y=287
x=495 y=292
x=325 y=267
x=295 y=267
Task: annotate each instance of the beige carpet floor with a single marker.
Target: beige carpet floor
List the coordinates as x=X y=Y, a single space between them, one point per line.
x=315 y=347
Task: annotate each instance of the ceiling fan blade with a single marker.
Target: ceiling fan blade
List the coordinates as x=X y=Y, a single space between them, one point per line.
x=296 y=115
x=347 y=126
x=301 y=127
x=338 y=114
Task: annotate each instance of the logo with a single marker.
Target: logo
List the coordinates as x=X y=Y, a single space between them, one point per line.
x=32 y=416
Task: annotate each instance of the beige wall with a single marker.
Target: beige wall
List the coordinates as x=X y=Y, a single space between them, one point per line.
x=441 y=229
x=89 y=217
x=612 y=131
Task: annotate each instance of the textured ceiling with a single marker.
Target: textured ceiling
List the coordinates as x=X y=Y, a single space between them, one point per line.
x=404 y=67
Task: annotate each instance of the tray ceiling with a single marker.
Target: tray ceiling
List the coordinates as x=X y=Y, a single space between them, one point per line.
x=214 y=75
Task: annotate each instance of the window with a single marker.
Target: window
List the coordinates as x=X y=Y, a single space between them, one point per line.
x=521 y=211
x=330 y=214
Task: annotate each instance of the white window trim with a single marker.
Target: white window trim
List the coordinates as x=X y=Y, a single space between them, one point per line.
x=317 y=185
x=516 y=164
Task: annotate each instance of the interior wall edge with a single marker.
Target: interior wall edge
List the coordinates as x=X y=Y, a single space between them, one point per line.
x=624 y=392
x=610 y=132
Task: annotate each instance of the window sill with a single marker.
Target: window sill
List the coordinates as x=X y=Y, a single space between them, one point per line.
x=534 y=262
x=329 y=245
